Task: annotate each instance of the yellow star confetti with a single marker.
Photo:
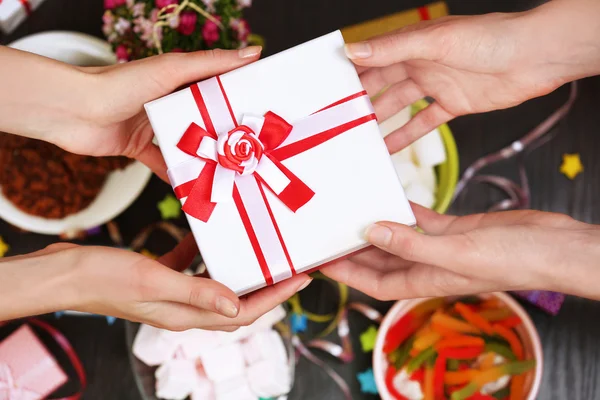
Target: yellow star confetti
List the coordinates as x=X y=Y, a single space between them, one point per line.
x=170 y=207
x=3 y=247
x=368 y=338
x=148 y=254
x=571 y=165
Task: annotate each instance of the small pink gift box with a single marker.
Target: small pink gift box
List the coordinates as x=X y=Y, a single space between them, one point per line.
x=27 y=370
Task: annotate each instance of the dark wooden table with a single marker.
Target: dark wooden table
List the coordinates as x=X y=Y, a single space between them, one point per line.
x=570 y=339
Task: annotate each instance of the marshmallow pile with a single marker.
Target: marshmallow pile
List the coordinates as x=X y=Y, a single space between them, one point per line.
x=415 y=164
x=249 y=364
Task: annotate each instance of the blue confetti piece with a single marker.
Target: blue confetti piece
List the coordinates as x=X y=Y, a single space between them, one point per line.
x=299 y=323
x=110 y=320
x=59 y=314
x=367 y=382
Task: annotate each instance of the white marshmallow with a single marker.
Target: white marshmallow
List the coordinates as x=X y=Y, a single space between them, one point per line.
x=407 y=172
x=176 y=379
x=224 y=362
x=236 y=388
x=151 y=348
x=204 y=389
x=427 y=178
x=194 y=341
x=418 y=193
x=395 y=122
x=266 y=321
x=266 y=345
x=269 y=378
x=430 y=150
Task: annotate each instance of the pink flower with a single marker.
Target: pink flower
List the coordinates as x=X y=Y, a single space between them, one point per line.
x=210 y=32
x=110 y=4
x=241 y=27
x=122 y=53
x=187 y=23
x=209 y=5
x=163 y=3
x=107 y=23
x=245 y=3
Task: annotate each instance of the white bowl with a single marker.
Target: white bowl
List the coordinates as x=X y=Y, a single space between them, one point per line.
x=526 y=331
x=121 y=187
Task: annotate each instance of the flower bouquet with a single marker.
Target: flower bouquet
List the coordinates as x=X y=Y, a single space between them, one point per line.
x=143 y=28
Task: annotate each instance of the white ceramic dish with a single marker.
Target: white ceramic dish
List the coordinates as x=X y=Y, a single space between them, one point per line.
x=122 y=187
x=527 y=332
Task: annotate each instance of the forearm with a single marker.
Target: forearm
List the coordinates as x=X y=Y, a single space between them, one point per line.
x=36 y=284
x=37 y=93
x=565 y=34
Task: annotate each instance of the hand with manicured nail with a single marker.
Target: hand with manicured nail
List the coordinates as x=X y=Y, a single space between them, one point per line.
x=516 y=250
x=477 y=63
x=128 y=285
x=98 y=111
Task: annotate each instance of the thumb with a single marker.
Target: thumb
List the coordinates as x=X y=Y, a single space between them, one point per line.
x=393 y=48
x=157 y=76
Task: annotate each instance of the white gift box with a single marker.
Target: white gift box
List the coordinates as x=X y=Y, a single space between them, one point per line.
x=309 y=199
x=13 y=12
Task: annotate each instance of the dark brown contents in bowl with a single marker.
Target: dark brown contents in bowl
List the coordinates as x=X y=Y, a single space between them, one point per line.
x=44 y=180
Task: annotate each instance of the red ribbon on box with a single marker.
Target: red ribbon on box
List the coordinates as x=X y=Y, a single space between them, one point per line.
x=236 y=162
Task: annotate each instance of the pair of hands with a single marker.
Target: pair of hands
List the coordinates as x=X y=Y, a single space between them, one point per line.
x=468 y=64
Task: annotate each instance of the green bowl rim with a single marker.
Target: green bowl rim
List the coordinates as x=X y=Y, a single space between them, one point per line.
x=452 y=162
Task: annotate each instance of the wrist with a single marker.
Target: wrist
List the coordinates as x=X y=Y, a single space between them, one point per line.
x=38 y=283
x=564 y=37
x=43 y=93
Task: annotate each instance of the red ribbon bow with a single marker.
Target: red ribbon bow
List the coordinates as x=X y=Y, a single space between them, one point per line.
x=199 y=195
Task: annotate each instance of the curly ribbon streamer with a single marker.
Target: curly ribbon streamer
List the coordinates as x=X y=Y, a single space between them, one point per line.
x=173 y=11
x=64 y=344
x=343 y=352
x=519 y=194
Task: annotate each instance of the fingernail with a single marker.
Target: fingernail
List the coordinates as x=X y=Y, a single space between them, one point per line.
x=358 y=50
x=304 y=285
x=249 y=52
x=226 y=307
x=379 y=235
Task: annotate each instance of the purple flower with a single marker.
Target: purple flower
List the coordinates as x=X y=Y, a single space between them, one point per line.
x=241 y=27
x=187 y=23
